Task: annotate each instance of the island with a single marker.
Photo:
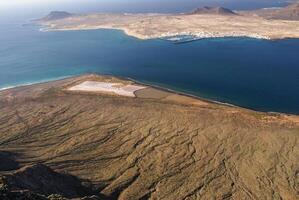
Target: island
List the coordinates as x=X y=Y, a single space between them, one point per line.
x=206 y=22
x=105 y=137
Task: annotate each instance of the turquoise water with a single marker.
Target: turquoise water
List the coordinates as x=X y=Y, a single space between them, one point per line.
x=257 y=74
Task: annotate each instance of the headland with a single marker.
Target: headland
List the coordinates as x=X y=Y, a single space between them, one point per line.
x=96 y=144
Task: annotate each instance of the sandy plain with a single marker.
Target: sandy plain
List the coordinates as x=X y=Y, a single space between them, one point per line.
x=149 y=26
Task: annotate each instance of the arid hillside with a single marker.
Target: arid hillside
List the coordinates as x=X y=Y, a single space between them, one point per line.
x=157 y=145
x=290 y=12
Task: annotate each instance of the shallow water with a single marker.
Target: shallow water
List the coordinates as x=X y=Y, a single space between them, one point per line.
x=257 y=74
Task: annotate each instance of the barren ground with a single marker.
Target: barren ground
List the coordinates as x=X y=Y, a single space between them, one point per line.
x=157 y=146
x=147 y=26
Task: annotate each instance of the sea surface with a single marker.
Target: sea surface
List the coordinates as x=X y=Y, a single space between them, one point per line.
x=257 y=74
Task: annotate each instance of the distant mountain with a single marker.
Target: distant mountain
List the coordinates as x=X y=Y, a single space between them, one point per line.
x=56 y=15
x=290 y=12
x=212 y=10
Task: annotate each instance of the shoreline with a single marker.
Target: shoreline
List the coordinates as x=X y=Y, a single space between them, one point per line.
x=152 y=85
x=197 y=36
x=181 y=93
x=162 y=38
x=36 y=82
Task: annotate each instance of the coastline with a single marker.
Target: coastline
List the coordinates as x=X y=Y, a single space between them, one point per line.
x=180 y=93
x=36 y=82
x=103 y=114
x=196 y=36
x=151 y=85
x=199 y=26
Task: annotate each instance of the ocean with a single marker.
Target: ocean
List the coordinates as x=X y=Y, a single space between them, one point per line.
x=251 y=73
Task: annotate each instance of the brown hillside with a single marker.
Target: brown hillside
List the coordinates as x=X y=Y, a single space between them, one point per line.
x=290 y=12
x=151 y=148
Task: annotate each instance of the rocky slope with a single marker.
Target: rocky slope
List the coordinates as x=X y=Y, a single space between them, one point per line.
x=145 y=148
x=40 y=182
x=41 y=179
x=290 y=12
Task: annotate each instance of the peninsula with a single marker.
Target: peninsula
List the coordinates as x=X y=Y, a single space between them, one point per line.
x=207 y=22
x=102 y=137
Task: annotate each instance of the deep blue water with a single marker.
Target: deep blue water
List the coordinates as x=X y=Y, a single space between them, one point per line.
x=257 y=74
